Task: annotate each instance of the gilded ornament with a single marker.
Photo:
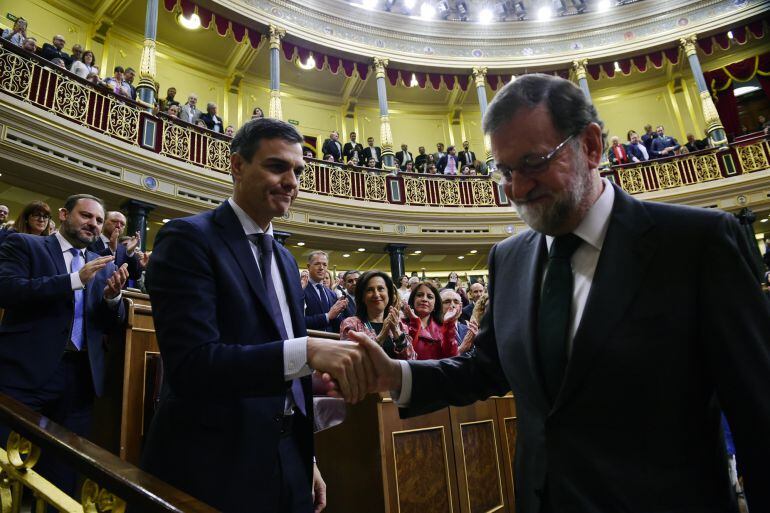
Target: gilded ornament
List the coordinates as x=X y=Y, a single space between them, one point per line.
x=415 y=191
x=21 y=453
x=15 y=73
x=339 y=182
x=668 y=175
x=123 y=121
x=479 y=76
x=482 y=192
x=147 y=69
x=71 y=100
x=176 y=141
x=706 y=168
x=95 y=499
x=6 y=494
x=688 y=43
x=631 y=180
x=276 y=34
x=580 y=68
x=375 y=187
x=380 y=64
x=307 y=178
x=218 y=155
x=752 y=157
x=448 y=192
x=275 y=110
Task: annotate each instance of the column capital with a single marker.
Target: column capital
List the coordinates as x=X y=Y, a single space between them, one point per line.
x=380 y=63
x=147 y=69
x=579 y=66
x=688 y=44
x=480 y=75
x=276 y=34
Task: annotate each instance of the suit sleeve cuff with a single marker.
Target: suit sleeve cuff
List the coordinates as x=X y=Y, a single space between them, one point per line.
x=75 y=282
x=113 y=302
x=404 y=396
x=295 y=358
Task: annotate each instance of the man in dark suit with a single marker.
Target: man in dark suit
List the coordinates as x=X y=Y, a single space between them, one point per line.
x=52 y=51
x=475 y=291
x=404 y=156
x=59 y=300
x=211 y=119
x=449 y=163
x=373 y=152
x=647 y=137
x=107 y=244
x=332 y=146
x=663 y=145
x=467 y=157
x=322 y=307
x=420 y=160
x=349 y=281
x=227 y=304
x=353 y=149
x=607 y=321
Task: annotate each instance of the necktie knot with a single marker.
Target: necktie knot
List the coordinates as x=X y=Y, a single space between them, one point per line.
x=564 y=246
x=263 y=241
x=77 y=259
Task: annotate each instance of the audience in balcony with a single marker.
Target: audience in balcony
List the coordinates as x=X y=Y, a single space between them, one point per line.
x=694 y=144
x=372 y=152
x=77 y=53
x=663 y=145
x=420 y=159
x=449 y=163
x=30 y=45
x=467 y=157
x=432 y=169
x=230 y=131
x=404 y=156
x=648 y=137
x=200 y=123
x=173 y=111
x=128 y=77
x=190 y=112
x=469 y=171
x=33 y=219
x=333 y=147
x=169 y=101
x=56 y=61
x=118 y=84
x=432 y=333
x=617 y=153
x=426 y=163
x=352 y=149
x=636 y=150
x=762 y=123
x=439 y=152
x=18 y=34
x=52 y=51
x=84 y=65
x=211 y=119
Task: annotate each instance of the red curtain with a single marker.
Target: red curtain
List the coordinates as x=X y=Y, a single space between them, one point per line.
x=727 y=106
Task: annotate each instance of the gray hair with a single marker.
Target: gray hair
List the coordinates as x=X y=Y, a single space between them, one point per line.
x=348 y=273
x=569 y=108
x=314 y=254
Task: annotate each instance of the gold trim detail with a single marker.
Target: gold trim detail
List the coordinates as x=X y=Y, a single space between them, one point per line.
x=688 y=44
x=707 y=167
x=752 y=157
x=98 y=500
x=479 y=76
x=579 y=66
x=71 y=100
x=276 y=110
x=22 y=455
x=218 y=154
x=668 y=175
x=380 y=63
x=449 y=192
x=631 y=180
x=375 y=187
x=123 y=122
x=176 y=141
x=711 y=117
x=276 y=34
x=415 y=191
x=482 y=193
x=15 y=73
x=339 y=182
x=147 y=70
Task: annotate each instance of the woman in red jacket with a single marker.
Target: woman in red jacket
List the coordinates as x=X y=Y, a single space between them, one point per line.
x=432 y=337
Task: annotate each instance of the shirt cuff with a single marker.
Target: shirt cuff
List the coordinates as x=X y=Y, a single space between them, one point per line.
x=404 y=396
x=115 y=300
x=295 y=358
x=75 y=282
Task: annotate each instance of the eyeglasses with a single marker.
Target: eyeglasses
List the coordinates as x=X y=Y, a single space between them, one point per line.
x=532 y=165
x=42 y=217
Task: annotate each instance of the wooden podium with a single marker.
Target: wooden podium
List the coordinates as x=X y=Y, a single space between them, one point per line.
x=455 y=460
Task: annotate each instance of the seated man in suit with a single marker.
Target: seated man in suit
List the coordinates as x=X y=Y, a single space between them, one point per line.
x=619 y=361
x=55 y=50
x=617 y=153
x=404 y=156
x=467 y=157
x=332 y=146
x=663 y=145
x=352 y=149
x=449 y=163
x=373 y=152
x=227 y=304
x=107 y=244
x=59 y=300
x=322 y=308
x=475 y=291
x=212 y=120
x=637 y=151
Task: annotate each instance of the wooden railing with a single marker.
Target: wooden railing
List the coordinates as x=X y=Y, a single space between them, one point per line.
x=111 y=484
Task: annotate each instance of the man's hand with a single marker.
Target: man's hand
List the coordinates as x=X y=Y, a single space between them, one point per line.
x=115 y=282
x=113 y=245
x=319 y=490
x=337 y=307
x=144 y=259
x=388 y=371
x=304 y=276
x=133 y=243
x=89 y=270
x=452 y=314
x=346 y=362
x=470 y=337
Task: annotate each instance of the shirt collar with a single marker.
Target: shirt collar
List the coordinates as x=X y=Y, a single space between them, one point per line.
x=593 y=228
x=65 y=244
x=247 y=223
x=104 y=239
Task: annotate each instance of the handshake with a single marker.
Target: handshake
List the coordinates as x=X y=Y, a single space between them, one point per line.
x=353 y=369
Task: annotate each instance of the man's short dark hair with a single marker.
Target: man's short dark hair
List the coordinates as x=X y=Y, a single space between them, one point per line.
x=118 y=69
x=348 y=273
x=130 y=69
x=568 y=106
x=246 y=140
x=450 y=148
x=70 y=202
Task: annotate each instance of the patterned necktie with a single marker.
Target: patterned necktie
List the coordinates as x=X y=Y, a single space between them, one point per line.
x=264 y=243
x=76 y=336
x=553 y=317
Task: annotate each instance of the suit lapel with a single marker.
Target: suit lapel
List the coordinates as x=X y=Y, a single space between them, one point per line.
x=57 y=256
x=627 y=252
x=288 y=269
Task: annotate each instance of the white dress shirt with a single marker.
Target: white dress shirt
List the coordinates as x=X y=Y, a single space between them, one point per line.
x=294 y=349
x=592 y=229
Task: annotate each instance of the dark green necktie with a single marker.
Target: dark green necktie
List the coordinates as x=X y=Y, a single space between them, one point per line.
x=554 y=313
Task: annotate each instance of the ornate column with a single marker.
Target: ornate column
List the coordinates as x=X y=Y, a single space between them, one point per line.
x=579 y=66
x=714 y=127
x=479 y=78
x=275 y=110
x=145 y=90
x=386 y=136
x=397 y=265
x=136 y=214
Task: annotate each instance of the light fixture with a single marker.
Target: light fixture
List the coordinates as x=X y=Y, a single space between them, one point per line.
x=409 y=4
x=413 y=82
x=345 y=255
x=460 y=257
x=166 y=220
x=730 y=34
x=617 y=67
x=513 y=78
x=740 y=91
x=417 y=252
x=309 y=63
x=763 y=220
x=191 y=23
x=474 y=251
x=427 y=11
x=559 y=6
x=300 y=244
x=361 y=250
x=544 y=13
x=485 y=16
x=520 y=11
x=603 y=5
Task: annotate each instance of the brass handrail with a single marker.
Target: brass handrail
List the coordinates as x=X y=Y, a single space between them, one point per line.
x=110 y=481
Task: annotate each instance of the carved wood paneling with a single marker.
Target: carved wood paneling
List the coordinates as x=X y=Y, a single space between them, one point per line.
x=482 y=468
x=422 y=472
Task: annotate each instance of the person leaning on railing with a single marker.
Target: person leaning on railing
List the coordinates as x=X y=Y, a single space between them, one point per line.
x=378 y=315
x=18 y=34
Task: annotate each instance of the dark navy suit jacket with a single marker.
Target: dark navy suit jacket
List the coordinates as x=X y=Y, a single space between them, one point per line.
x=633 y=150
x=224 y=383
x=37 y=296
x=121 y=257
x=315 y=313
x=678 y=331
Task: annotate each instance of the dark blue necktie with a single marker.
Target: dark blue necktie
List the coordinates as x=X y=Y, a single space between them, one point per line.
x=77 y=322
x=554 y=312
x=264 y=243
x=324 y=298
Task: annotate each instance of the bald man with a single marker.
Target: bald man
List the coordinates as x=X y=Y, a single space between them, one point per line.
x=107 y=244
